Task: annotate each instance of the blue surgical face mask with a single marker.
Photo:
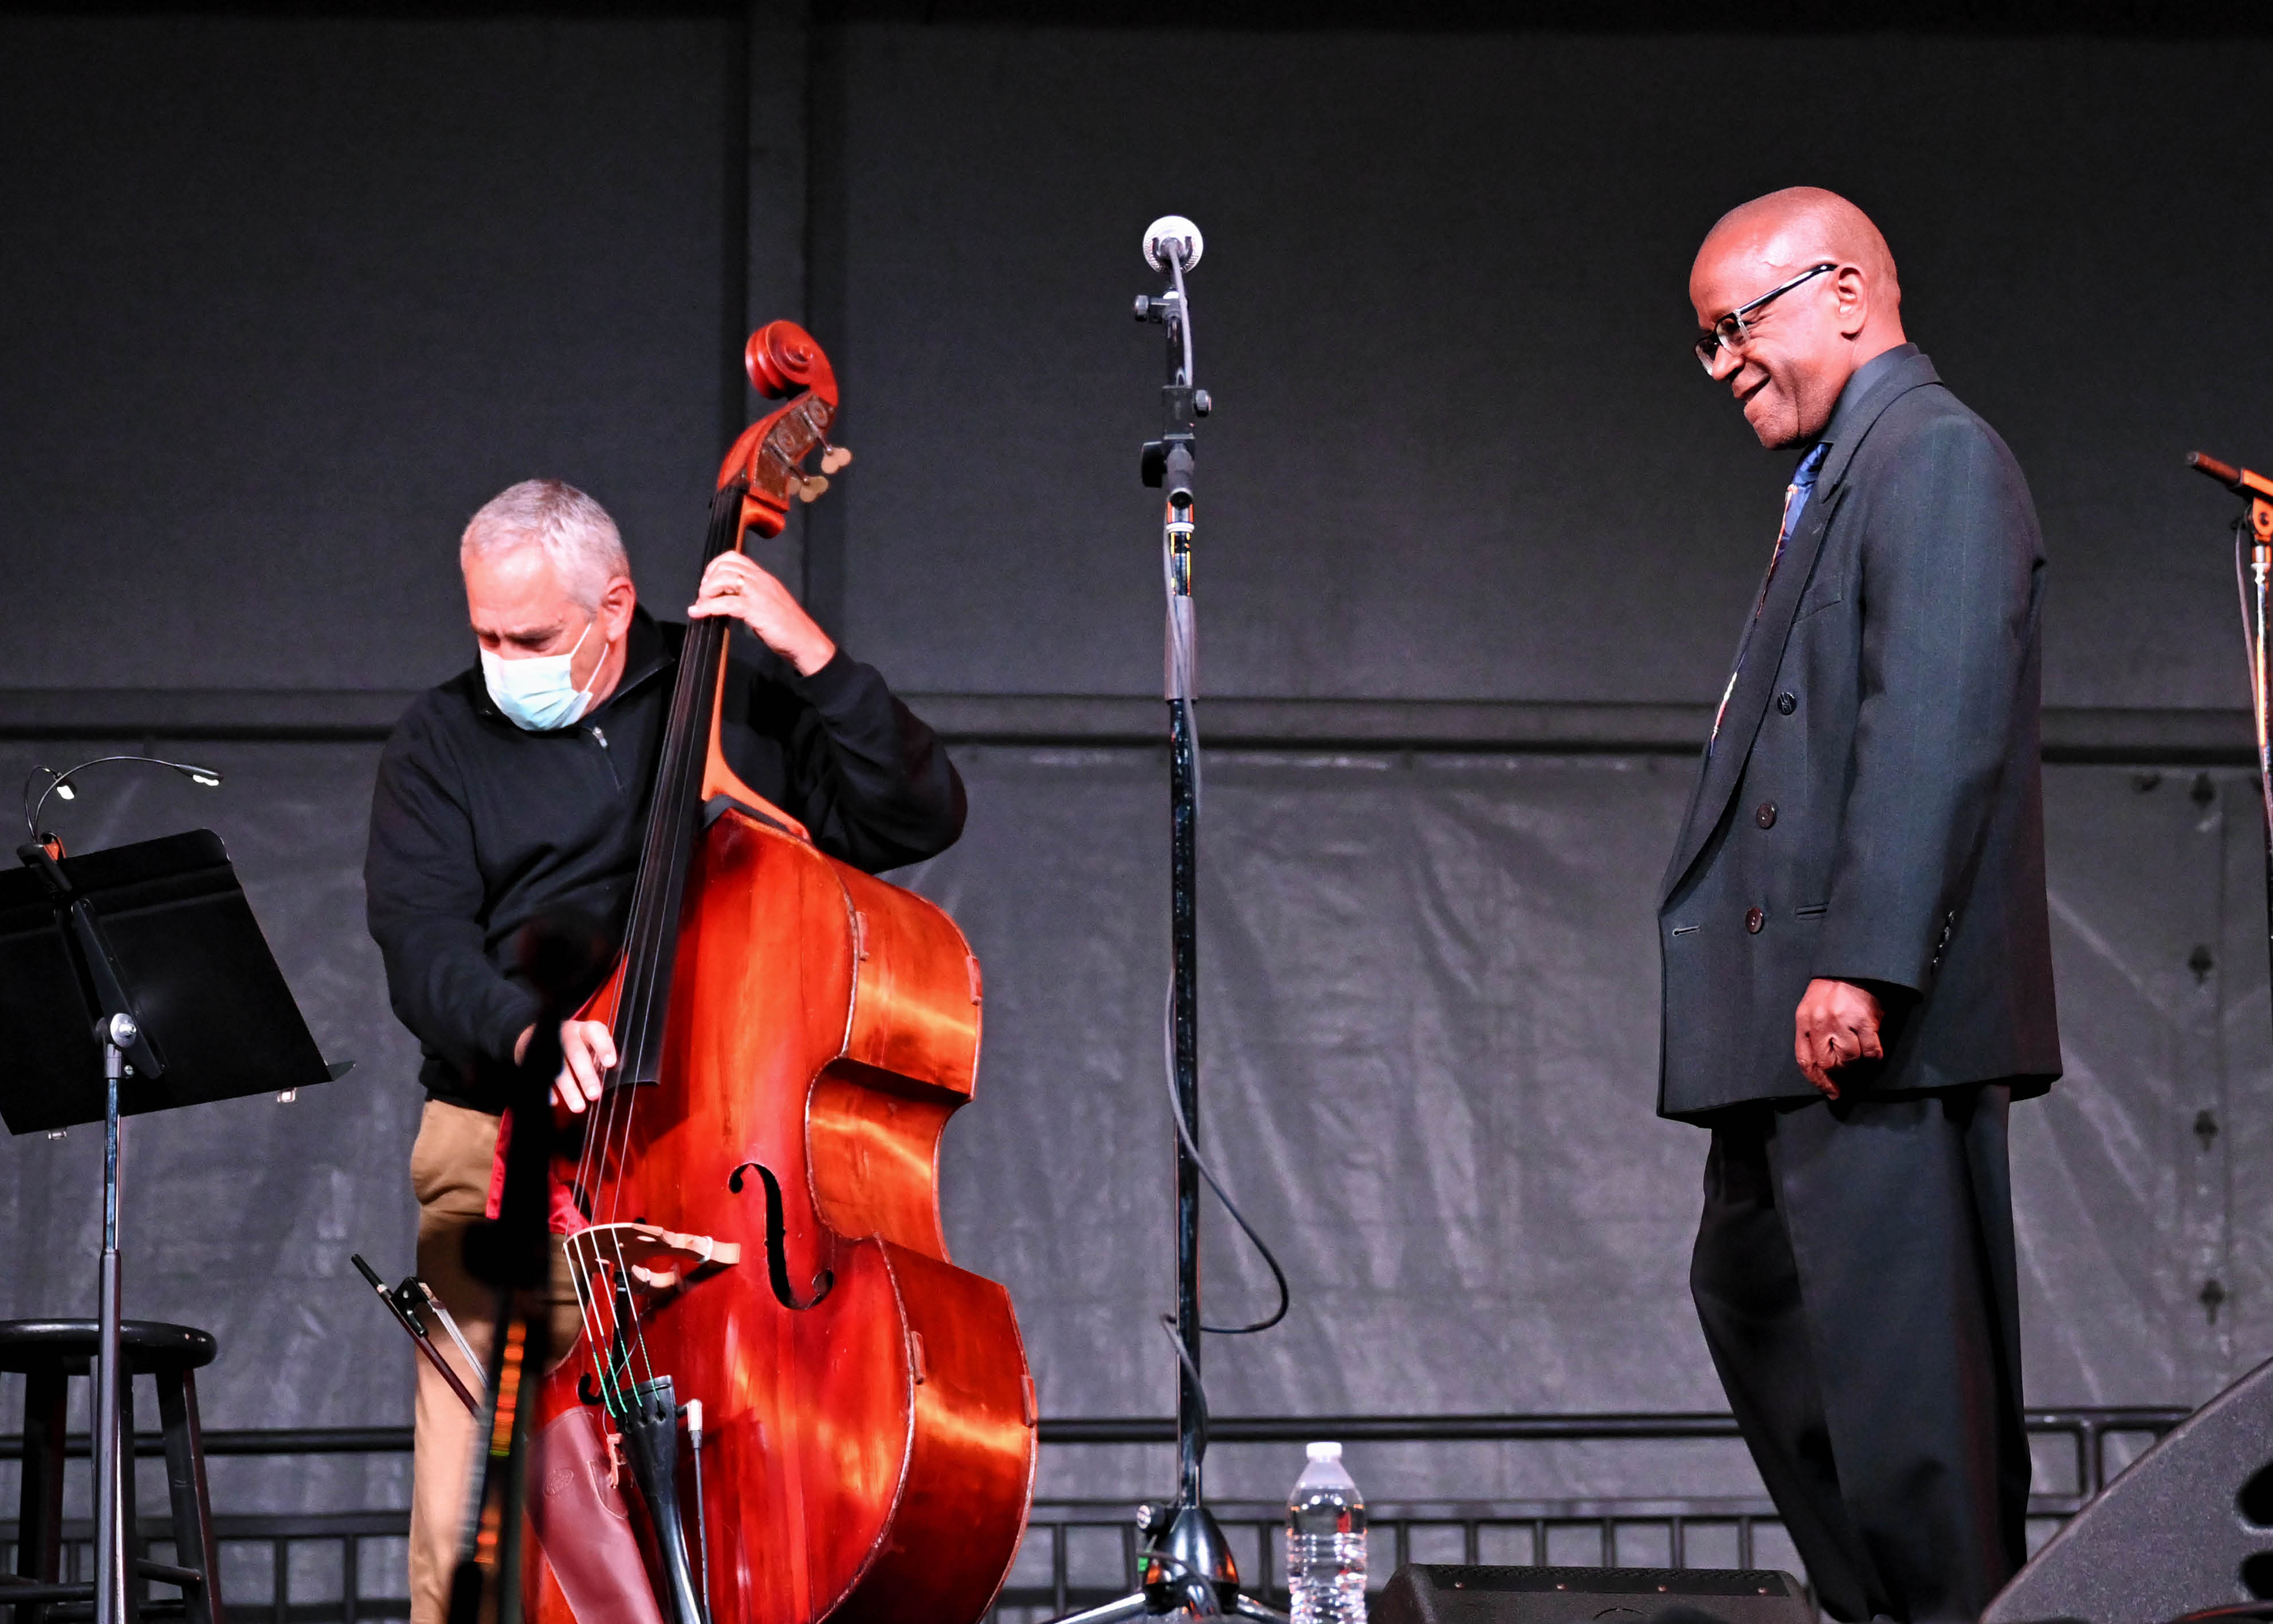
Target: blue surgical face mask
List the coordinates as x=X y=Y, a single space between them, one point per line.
x=537 y=693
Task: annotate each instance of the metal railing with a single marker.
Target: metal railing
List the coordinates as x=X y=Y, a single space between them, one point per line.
x=1049 y=1580
x=1078 y=1553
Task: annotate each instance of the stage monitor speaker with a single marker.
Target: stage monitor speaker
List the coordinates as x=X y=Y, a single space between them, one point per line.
x=2188 y=1525
x=1437 y=1593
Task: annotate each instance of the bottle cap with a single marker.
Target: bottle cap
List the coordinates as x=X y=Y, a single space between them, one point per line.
x=1326 y=1452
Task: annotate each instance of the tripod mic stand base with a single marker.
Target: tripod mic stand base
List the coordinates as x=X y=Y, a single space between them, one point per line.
x=1185 y=1569
x=1139 y=1606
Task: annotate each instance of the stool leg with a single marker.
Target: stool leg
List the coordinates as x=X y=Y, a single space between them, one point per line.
x=185 y=1482
x=138 y=1588
x=40 y=1514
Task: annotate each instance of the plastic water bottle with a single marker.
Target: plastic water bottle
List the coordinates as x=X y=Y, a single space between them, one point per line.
x=1325 y=1543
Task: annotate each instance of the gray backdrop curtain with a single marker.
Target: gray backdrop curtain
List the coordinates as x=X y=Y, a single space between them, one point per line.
x=290 y=295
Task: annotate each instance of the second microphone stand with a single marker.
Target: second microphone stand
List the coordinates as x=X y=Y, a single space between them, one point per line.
x=2253 y=577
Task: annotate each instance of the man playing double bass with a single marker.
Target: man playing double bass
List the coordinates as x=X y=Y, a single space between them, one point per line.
x=518 y=790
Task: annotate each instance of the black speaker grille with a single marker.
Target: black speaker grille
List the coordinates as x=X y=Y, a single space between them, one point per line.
x=1616 y=1581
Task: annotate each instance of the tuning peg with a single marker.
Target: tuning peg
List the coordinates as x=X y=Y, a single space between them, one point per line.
x=835 y=460
x=808 y=490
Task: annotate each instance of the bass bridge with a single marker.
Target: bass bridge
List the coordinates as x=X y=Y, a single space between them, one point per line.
x=646 y=1258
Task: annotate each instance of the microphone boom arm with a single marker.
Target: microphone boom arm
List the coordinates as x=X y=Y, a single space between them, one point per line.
x=2240 y=481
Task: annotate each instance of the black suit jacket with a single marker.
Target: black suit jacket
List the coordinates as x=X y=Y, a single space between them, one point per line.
x=1873 y=809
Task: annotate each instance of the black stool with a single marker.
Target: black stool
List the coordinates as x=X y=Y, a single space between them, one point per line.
x=47 y=1353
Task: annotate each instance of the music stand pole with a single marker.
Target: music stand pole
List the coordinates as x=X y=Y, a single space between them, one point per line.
x=116 y=1033
x=122 y=1038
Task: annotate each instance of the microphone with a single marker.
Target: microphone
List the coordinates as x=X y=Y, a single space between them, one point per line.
x=2240 y=480
x=1172 y=245
x=1173 y=234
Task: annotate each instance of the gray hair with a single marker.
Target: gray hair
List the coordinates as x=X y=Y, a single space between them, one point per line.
x=574 y=531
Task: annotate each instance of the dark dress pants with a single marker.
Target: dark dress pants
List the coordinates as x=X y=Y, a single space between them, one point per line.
x=1855 y=1275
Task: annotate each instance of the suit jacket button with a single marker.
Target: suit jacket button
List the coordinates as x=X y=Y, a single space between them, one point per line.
x=1787 y=703
x=1764 y=814
x=1753 y=919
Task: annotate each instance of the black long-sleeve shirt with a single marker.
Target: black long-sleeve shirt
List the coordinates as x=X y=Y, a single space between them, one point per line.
x=478 y=826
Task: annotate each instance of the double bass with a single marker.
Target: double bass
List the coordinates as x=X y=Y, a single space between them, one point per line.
x=751 y=1220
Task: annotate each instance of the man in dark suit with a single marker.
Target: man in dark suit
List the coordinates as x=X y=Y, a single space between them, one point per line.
x=1858 y=965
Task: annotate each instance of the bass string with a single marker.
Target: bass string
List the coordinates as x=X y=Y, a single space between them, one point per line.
x=657 y=893
x=706 y=656
x=647 y=1001
x=605 y=1142
x=662 y=883
x=649 y=1013
x=643 y=997
x=605 y=1152
x=635 y=994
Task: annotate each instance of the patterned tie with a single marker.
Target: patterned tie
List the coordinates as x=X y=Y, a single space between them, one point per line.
x=1795 y=503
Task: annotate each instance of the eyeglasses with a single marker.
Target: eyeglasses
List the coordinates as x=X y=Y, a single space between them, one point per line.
x=1730 y=330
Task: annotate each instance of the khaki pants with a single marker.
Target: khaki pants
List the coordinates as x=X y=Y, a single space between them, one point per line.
x=450 y=1175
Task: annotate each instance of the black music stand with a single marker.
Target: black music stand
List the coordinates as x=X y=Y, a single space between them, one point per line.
x=135 y=980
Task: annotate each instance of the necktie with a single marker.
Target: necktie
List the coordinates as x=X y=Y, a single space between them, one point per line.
x=1795 y=503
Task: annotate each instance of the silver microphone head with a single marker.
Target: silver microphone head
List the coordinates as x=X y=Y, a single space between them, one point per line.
x=1173 y=228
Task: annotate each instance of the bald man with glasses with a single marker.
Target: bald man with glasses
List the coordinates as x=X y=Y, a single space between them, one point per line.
x=1858 y=961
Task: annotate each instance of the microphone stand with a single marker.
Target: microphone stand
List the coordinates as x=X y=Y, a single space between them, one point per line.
x=1186 y=1562
x=2257 y=600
